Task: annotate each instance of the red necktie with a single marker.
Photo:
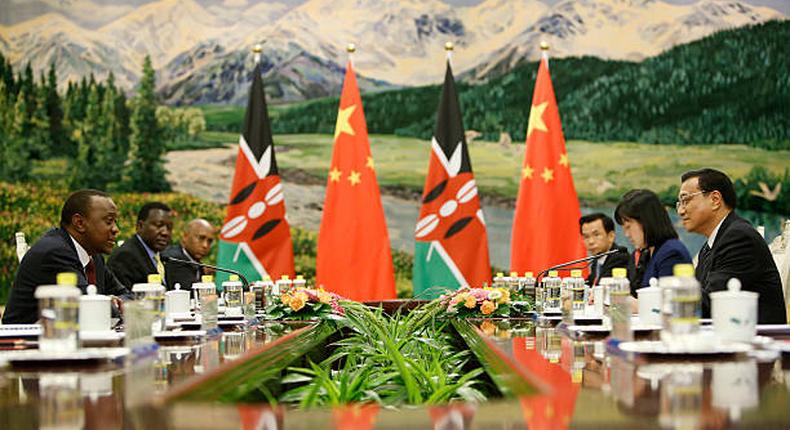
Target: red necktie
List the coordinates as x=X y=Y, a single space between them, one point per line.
x=90 y=272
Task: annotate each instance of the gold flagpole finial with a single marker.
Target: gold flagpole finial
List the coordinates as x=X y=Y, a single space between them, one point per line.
x=256 y=51
x=351 y=48
x=544 y=46
x=448 y=46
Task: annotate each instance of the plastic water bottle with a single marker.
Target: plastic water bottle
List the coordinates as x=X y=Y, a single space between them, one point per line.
x=681 y=304
x=528 y=287
x=620 y=310
x=552 y=288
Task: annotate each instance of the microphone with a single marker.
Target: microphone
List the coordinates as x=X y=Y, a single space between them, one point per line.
x=167 y=259
x=587 y=260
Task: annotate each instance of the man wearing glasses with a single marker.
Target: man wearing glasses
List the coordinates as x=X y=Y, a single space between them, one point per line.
x=734 y=249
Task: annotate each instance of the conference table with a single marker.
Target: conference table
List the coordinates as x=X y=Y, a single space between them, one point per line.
x=567 y=379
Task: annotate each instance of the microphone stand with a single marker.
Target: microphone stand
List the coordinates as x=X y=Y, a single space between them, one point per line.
x=209 y=266
x=567 y=266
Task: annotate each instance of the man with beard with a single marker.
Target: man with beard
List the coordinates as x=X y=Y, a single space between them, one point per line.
x=87 y=230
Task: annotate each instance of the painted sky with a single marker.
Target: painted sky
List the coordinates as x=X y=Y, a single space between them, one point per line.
x=86 y=12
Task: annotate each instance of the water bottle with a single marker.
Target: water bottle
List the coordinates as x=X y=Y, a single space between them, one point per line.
x=681 y=304
x=620 y=309
x=552 y=288
x=528 y=287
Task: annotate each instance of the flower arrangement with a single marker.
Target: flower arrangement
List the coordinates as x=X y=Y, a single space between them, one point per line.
x=478 y=302
x=304 y=304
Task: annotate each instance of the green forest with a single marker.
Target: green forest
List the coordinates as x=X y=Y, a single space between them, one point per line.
x=110 y=142
x=730 y=87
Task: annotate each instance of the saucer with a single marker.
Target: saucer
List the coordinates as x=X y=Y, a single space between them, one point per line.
x=101 y=336
x=684 y=349
x=80 y=355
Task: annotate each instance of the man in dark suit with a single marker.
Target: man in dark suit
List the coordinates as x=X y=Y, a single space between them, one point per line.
x=87 y=230
x=598 y=233
x=196 y=242
x=734 y=249
x=139 y=256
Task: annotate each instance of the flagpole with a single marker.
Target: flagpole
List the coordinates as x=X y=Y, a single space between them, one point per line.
x=544 y=47
x=351 y=48
x=448 y=48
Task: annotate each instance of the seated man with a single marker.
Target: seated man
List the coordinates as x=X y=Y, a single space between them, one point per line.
x=139 y=257
x=195 y=244
x=598 y=234
x=734 y=249
x=87 y=230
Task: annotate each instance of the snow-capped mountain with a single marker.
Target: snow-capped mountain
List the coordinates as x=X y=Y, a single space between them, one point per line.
x=620 y=29
x=202 y=53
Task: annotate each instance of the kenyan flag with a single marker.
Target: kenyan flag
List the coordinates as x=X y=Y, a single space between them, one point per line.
x=255 y=238
x=451 y=248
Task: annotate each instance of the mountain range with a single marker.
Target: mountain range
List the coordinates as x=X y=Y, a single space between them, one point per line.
x=202 y=53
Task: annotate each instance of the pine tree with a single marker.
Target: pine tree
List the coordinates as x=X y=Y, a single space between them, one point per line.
x=112 y=151
x=86 y=171
x=145 y=170
x=38 y=138
x=55 y=114
x=15 y=156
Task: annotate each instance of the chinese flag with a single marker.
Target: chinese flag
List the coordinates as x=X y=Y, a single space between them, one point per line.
x=451 y=245
x=255 y=238
x=546 y=222
x=354 y=257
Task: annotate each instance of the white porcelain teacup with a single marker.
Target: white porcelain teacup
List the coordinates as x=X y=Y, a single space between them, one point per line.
x=95 y=312
x=734 y=313
x=649 y=305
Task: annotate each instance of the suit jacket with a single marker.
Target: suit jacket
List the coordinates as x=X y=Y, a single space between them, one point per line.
x=665 y=257
x=52 y=254
x=131 y=264
x=612 y=261
x=178 y=273
x=739 y=252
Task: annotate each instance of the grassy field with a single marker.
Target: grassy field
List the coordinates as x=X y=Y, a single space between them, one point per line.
x=602 y=171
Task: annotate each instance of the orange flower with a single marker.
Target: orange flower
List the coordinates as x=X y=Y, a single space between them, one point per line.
x=324 y=297
x=297 y=302
x=285 y=299
x=470 y=302
x=488 y=307
x=488 y=328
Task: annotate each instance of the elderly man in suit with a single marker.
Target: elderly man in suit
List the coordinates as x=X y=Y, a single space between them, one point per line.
x=87 y=230
x=734 y=249
x=196 y=242
x=140 y=256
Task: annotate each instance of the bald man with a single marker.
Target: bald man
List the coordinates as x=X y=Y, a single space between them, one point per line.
x=196 y=242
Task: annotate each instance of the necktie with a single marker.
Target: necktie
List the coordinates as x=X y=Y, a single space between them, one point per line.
x=703 y=254
x=160 y=268
x=90 y=272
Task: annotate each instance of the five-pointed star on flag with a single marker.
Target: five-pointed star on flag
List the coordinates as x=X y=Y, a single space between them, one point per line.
x=526 y=172
x=536 y=118
x=343 y=125
x=547 y=174
x=564 y=159
x=354 y=178
x=370 y=164
x=334 y=174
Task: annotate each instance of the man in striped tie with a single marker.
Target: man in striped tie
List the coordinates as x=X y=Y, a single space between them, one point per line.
x=139 y=256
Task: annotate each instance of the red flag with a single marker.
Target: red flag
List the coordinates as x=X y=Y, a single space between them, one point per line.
x=546 y=222
x=354 y=257
x=255 y=238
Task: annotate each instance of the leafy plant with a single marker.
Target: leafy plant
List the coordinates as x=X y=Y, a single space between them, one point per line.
x=394 y=360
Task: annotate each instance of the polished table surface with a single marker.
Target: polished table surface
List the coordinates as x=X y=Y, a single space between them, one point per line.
x=588 y=387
